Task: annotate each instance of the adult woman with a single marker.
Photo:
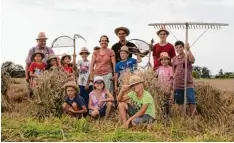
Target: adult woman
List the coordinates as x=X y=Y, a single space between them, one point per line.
x=103 y=63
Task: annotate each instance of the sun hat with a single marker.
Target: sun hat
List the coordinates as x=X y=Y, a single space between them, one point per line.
x=38 y=52
x=51 y=56
x=96 y=48
x=127 y=31
x=164 y=55
x=41 y=35
x=65 y=55
x=134 y=79
x=98 y=78
x=163 y=28
x=84 y=50
x=71 y=84
x=124 y=48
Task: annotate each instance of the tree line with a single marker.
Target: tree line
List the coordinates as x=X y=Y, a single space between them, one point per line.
x=17 y=71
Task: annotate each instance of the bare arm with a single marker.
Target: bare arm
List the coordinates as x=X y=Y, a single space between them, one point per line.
x=83 y=110
x=109 y=97
x=90 y=106
x=33 y=75
x=123 y=96
x=92 y=68
x=113 y=62
x=190 y=54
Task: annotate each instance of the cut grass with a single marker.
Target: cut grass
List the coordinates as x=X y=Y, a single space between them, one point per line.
x=72 y=129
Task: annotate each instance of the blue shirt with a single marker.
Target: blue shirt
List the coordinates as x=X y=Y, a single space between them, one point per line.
x=130 y=64
x=79 y=101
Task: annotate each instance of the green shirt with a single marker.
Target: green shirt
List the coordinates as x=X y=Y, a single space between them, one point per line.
x=146 y=99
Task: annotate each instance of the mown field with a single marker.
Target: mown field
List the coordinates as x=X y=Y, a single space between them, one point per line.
x=206 y=126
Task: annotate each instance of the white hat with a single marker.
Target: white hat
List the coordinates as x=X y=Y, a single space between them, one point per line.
x=97 y=78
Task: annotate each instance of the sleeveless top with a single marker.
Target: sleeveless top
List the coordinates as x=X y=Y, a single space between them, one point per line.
x=95 y=101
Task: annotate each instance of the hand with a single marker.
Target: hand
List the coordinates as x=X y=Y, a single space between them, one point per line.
x=128 y=122
x=86 y=87
x=100 y=103
x=187 y=46
x=124 y=88
x=70 y=109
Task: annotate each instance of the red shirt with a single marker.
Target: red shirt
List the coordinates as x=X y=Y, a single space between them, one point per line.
x=157 y=50
x=35 y=67
x=68 y=69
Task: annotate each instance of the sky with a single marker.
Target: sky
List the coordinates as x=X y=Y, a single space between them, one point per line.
x=22 y=20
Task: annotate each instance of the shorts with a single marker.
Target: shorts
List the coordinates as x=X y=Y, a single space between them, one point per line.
x=179 y=96
x=139 y=120
x=102 y=111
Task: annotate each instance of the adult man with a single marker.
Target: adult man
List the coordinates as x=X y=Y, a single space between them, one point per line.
x=41 y=46
x=122 y=33
x=143 y=108
x=162 y=46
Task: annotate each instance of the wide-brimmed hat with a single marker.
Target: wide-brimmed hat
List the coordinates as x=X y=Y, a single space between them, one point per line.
x=164 y=55
x=124 y=48
x=51 y=56
x=98 y=78
x=134 y=79
x=127 y=31
x=65 y=55
x=84 y=50
x=163 y=28
x=37 y=52
x=41 y=35
x=71 y=84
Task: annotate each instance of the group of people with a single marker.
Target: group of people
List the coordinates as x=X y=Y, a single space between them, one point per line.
x=100 y=78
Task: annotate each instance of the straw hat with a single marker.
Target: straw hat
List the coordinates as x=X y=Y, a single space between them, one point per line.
x=134 y=79
x=124 y=48
x=65 y=55
x=84 y=50
x=50 y=57
x=41 y=35
x=98 y=78
x=71 y=84
x=127 y=31
x=163 y=28
x=164 y=55
x=37 y=52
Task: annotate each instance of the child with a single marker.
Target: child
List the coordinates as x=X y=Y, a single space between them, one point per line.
x=83 y=80
x=75 y=104
x=67 y=66
x=165 y=78
x=143 y=108
x=36 y=67
x=126 y=64
x=178 y=63
x=52 y=62
x=100 y=99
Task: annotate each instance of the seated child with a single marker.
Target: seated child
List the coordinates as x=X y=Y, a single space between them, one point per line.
x=100 y=99
x=165 y=78
x=74 y=104
x=142 y=110
x=36 y=67
x=126 y=64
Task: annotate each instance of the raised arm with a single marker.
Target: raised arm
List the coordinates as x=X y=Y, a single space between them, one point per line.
x=190 y=54
x=123 y=96
x=92 y=68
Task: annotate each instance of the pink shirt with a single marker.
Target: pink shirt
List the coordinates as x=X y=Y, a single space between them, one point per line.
x=103 y=64
x=165 y=76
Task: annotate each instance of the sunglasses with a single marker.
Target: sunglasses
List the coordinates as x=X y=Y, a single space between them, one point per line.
x=98 y=82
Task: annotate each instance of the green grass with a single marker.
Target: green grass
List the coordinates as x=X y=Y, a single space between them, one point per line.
x=71 y=129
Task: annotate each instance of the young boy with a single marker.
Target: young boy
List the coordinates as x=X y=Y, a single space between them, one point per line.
x=143 y=108
x=178 y=64
x=74 y=104
x=125 y=64
x=83 y=80
x=36 y=67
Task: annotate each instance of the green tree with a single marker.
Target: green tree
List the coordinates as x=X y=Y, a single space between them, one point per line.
x=205 y=72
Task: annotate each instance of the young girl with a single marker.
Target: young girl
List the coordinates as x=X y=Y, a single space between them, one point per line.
x=100 y=99
x=165 y=78
x=67 y=66
x=178 y=63
x=52 y=62
x=36 y=67
x=83 y=80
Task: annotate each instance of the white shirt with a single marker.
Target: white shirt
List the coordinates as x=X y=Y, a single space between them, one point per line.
x=84 y=70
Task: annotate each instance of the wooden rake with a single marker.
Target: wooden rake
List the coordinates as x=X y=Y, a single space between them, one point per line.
x=188 y=26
